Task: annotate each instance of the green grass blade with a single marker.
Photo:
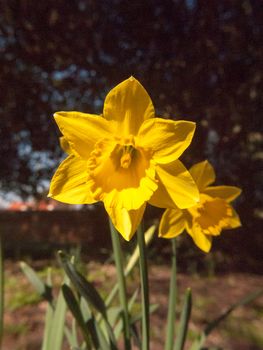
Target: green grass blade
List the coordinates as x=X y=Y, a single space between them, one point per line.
x=42 y=288
x=198 y=344
x=184 y=321
x=58 y=323
x=2 y=290
x=119 y=325
x=138 y=317
x=75 y=309
x=170 y=332
x=103 y=344
x=48 y=317
x=86 y=289
x=247 y=299
x=144 y=289
x=89 y=322
x=48 y=327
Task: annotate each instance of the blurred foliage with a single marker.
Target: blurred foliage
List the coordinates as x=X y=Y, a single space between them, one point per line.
x=199 y=60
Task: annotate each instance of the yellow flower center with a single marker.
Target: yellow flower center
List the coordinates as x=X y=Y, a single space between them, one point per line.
x=116 y=165
x=211 y=215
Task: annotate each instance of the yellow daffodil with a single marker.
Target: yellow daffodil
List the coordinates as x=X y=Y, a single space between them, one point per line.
x=208 y=217
x=125 y=158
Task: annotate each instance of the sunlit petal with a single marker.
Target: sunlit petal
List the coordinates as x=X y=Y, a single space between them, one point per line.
x=204 y=242
x=64 y=144
x=125 y=158
x=161 y=198
x=178 y=186
x=166 y=139
x=128 y=104
x=172 y=223
x=126 y=222
x=229 y=193
x=234 y=220
x=82 y=130
x=69 y=184
x=203 y=174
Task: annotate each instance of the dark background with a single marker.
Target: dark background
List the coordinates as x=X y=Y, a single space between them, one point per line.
x=199 y=60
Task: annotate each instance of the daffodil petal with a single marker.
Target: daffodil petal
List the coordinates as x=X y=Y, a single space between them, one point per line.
x=177 y=186
x=228 y=193
x=166 y=139
x=64 y=144
x=161 y=198
x=126 y=222
x=128 y=104
x=69 y=184
x=203 y=241
x=172 y=223
x=83 y=130
x=234 y=221
x=203 y=173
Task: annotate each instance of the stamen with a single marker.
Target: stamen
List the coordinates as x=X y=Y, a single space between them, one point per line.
x=126 y=160
x=127 y=155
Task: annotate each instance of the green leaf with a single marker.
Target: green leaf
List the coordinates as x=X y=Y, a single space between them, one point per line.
x=43 y=289
x=184 y=321
x=84 y=287
x=114 y=314
x=90 y=321
x=119 y=325
x=101 y=338
x=71 y=335
x=138 y=317
x=247 y=299
x=48 y=317
x=58 y=324
x=75 y=309
x=88 y=292
x=198 y=343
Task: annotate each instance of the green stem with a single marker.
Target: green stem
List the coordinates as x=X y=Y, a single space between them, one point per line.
x=170 y=332
x=131 y=263
x=145 y=288
x=115 y=237
x=184 y=321
x=1 y=290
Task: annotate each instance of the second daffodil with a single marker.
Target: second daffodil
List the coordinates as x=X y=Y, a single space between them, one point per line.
x=207 y=218
x=125 y=158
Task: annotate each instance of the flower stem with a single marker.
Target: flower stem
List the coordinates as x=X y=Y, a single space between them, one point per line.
x=170 y=332
x=1 y=290
x=145 y=288
x=115 y=237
